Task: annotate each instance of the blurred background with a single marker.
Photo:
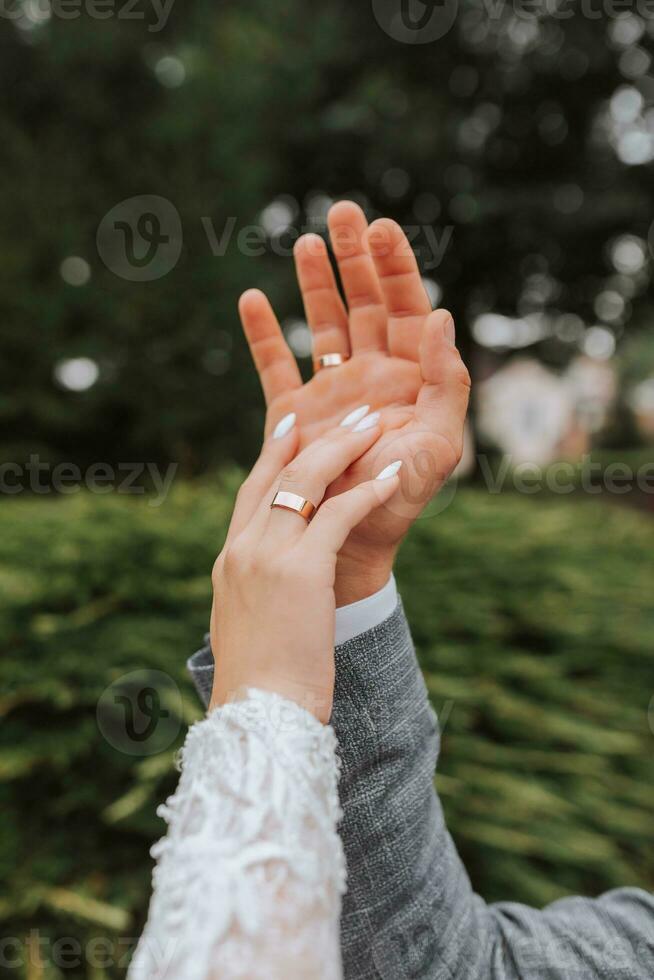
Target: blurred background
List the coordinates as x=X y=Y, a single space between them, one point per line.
x=160 y=158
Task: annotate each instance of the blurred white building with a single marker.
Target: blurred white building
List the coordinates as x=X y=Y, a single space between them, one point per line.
x=467 y=461
x=537 y=416
x=640 y=400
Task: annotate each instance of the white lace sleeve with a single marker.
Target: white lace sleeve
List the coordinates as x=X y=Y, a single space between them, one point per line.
x=249 y=878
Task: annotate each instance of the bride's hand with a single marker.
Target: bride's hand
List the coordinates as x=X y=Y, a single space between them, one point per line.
x=272 y=620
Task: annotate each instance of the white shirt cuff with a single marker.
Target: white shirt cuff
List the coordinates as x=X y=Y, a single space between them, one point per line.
x=364 y=615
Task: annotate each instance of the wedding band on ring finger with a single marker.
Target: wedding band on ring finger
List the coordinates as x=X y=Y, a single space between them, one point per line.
x=329 y=360
x=293 y=501
x=301 y=485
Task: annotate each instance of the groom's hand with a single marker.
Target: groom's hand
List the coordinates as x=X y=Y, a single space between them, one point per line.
x=403 y=363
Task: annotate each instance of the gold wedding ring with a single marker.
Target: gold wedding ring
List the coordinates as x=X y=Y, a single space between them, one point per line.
x=292 y=501
x=329 y=360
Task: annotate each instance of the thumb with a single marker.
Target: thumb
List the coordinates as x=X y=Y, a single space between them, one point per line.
x=443 y=399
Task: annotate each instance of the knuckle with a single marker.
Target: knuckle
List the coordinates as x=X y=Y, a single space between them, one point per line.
x=288 y=574
x=242 y=491
x=290 y=473
x=235 y=559
x=260 y=563
x=217 y=570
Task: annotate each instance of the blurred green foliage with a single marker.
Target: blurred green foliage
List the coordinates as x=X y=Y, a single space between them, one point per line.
x=498 y=132
x=533 y=625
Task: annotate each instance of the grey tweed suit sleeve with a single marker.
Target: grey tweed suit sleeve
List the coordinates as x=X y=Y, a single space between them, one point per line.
x=410 y=912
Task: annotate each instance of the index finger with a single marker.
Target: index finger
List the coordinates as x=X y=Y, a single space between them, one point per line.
x=275 y=364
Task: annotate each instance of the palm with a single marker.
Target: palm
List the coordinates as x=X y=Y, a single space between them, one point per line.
x=373 y=379
x=397 y=367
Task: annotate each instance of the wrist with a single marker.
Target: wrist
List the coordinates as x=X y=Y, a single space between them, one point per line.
x=315 y=701
x=360 y=576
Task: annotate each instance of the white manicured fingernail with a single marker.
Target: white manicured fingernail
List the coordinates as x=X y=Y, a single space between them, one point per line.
x=356 y=415
x=284 y=425
x=389 y=470
x=367 y=423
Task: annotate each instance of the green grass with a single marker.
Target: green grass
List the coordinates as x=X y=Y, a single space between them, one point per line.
x=534 y=625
